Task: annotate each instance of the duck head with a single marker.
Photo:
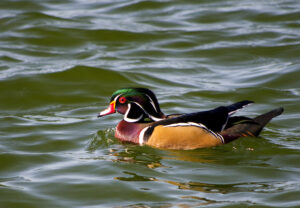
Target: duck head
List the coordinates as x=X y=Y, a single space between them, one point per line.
x=138 y=105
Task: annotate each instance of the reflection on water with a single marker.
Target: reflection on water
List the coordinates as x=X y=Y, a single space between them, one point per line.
x=200 y=156
x=211 y=189
x=133 y=177
x=143 y=154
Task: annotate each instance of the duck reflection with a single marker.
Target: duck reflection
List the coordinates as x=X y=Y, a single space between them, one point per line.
x=152 y=158
x=161 y=161
x=134 y=177
x=200 y=187
x=197 y=156
x=259 y=187
x=138 y=155
x=155 y=158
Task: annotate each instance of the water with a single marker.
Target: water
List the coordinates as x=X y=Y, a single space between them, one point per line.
x=61 y=60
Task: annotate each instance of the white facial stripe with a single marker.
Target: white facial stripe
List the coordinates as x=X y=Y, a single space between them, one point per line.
x=139 y=118
x=150 y=116
x=130 y=119
x=128 y=109
x=142 y=134
x=152 y=103
x=154 y=118
x=141 y=107
x=117 y=98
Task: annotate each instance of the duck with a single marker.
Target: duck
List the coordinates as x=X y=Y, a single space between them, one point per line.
x=144 y=123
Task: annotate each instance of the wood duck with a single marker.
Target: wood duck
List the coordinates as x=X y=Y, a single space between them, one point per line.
x=144 y=123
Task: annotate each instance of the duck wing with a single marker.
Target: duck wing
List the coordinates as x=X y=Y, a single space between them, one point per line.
x=215 y=119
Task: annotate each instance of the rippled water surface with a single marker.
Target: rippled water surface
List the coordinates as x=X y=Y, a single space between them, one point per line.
x=61 y=60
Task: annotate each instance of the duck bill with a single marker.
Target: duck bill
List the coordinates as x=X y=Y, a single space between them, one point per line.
x=110 y=110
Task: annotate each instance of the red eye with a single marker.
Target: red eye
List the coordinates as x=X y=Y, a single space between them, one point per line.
x=122 y=100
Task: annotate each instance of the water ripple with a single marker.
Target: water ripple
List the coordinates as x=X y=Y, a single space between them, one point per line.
x=60 y=61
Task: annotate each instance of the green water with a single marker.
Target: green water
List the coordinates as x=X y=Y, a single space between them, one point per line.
x=61 y=60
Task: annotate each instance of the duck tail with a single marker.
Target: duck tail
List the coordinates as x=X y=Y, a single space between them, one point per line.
x=245 y=127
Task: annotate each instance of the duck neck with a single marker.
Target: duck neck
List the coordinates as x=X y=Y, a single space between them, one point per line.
x=129 y=132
